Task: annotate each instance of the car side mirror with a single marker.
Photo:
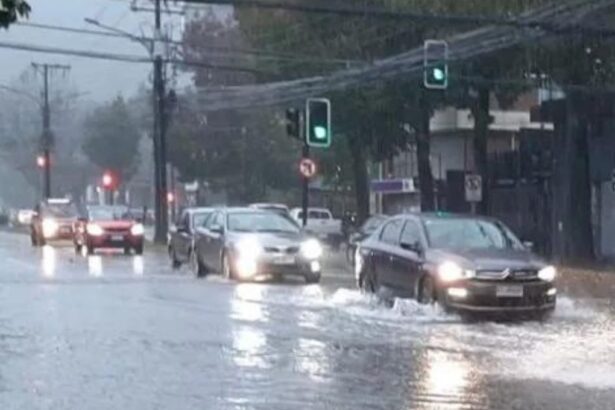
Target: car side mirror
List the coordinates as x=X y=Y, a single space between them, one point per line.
x=218 y=229
x=529 y=245
x=413 y=247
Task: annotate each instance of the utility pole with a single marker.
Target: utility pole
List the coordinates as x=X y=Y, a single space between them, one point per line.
x=47 y=136
x=160 y=157
x=305 y=181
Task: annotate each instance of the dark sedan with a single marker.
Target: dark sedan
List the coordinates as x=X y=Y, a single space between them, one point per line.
x=181 y=236
x=465 y=263
x=245 y=244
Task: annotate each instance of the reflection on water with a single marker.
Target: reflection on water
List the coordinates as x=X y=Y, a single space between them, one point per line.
x=449 y=381
x=249 y=347
x=311 y=359
x=95 y=267
x=137 y=265
x=247 y=303
x=48 y=263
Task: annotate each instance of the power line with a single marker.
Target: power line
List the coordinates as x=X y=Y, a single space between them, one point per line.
x=122 y=57
x=263 y=54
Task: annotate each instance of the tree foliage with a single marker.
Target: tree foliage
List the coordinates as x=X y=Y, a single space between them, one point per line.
x=11 y=10
x=112 y=138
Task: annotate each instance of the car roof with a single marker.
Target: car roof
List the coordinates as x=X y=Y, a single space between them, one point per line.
x=445 y=215
x=200 y=209
x=268 y=204
x=244 y=209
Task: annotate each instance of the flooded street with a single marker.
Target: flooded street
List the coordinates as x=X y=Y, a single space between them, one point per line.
x=111 y=331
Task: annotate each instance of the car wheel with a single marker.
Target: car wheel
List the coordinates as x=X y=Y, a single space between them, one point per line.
x=138 y=249
x=196 y=266
x=33 y=240
x=78 y=249
x=227 y=269
x=175 y=263
x=312 y=278
x=91 y=249
x=370 y=284
x=427 y=291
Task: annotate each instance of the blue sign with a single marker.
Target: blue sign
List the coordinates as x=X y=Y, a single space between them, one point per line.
x=393 y=186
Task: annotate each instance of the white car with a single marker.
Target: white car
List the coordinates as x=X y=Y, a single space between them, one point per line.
x=321 y=223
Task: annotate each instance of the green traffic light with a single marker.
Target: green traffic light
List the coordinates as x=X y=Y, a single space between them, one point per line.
x=438 y=74
x=320 y=132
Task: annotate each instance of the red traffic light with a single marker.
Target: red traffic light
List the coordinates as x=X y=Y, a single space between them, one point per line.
x=40 y=161
x=108 y=180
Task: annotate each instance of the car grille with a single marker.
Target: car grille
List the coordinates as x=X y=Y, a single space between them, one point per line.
x=116 y=230
x=290 y=250
x=510 y=275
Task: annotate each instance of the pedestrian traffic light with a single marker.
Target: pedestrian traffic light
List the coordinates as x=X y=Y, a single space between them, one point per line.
x=318 y=123
x=435 y=64
x=292 y=122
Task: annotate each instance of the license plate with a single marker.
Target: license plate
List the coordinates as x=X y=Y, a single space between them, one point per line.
x=117 y=237
x=284 y=260
x=509 y=291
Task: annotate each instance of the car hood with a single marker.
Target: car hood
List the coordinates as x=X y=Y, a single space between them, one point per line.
x=488 y=259
x=270 y=239
x=115 y=224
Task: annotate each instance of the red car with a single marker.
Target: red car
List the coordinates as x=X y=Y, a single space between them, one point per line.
x=109 y=227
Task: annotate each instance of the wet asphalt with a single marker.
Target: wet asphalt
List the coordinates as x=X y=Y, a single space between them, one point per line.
x=126 y=332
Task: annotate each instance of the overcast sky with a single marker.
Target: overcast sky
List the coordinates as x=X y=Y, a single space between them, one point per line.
x=102 y=79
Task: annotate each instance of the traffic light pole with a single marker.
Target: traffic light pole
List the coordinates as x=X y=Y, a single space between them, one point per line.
x=305 y=154
x=305 y=198
x=47 y=137
x=160 y=174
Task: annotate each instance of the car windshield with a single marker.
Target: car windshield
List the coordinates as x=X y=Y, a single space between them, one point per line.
x=449 y=233
x=373 y=223
x=108 y=214
x=260 y=222
x=59 y=210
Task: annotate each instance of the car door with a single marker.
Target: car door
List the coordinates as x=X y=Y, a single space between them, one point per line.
x=386 y=250
x=209 y=244
x=407 y=258
x=183 y=236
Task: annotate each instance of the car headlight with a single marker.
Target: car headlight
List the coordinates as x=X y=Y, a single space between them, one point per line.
x=137 y=230
x=547 y=273
x=311 y=249
x=249 y=248
x=94 y=229
x=50 y=227
x=450 y=272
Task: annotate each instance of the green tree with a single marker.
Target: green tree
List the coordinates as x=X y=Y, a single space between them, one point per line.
x=112 y=139
x=11 y=10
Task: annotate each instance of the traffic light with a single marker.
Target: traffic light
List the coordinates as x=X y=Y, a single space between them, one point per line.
x=435 y=64
x=40 y=161
x=318 y=123
x=108 y=180
x=292 y=122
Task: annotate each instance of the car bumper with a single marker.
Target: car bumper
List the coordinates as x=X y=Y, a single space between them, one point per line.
x=300 y=268
x=115 y=241
x=483 y=297
x=60 y=235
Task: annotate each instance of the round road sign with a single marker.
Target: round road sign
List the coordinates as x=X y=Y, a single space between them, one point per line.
x=307 y=167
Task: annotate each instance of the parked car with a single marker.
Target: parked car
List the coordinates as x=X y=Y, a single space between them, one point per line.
x=247 y=243
x=369 y=226
x=109 y=227
x=181 y=236
x=465 y=263
x=53 y=219
x=321 y=223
